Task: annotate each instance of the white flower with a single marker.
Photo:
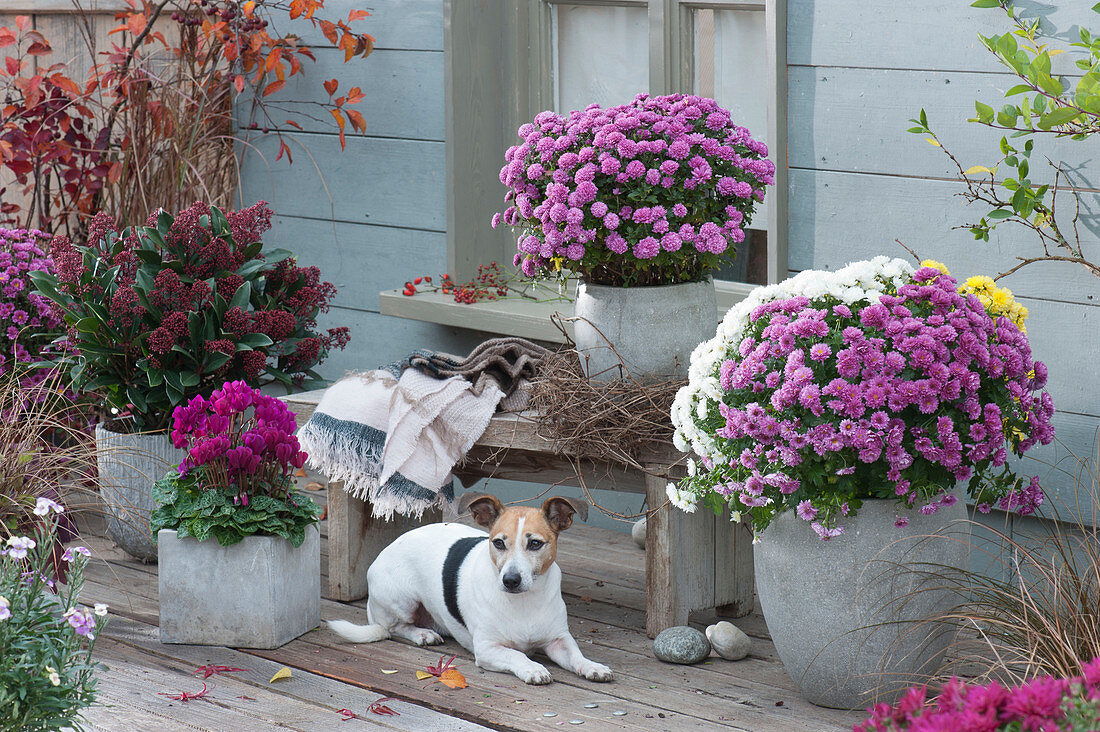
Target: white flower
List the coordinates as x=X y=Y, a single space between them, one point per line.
x=44 y=505
x=19 y=546
x=691 y=468
x=755 y=538
x=100 y=609
x=682 y=500
x=5 y=609
x=54 y=678
x=735 y=517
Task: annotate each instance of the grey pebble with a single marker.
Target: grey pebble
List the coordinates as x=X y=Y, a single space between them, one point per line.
x=549 y=714
x=681 y=644
x=576 y=721
x=591 y=705
x=619 y=713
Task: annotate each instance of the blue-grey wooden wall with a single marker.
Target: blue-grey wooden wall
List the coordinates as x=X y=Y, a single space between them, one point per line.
x=857 y=72
x=371 y=216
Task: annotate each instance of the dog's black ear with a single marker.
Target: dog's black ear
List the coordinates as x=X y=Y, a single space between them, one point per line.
x=482 y=506
x=559 y=511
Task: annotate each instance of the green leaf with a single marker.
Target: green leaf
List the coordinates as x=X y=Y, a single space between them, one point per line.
x=1018 y=89
x=256 y=340
x=985 y=4
x=985 y=112
x=218 y=223
x=1058 y=117
x=88 y=325
x=164 y=222
x=999 y=214
x=137 y=398
x=241 y=296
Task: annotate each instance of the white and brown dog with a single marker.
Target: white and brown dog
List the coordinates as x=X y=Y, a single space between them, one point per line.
x=498 y=593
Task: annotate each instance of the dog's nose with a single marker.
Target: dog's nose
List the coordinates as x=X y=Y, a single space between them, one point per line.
x=511 y=581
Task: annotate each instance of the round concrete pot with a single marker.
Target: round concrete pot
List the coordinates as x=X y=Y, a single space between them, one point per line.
x=652 y=329
x=129 y=464
x=849 y=616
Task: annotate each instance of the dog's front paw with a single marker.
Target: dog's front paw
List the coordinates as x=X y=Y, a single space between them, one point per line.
x=535 y=674
x=595 y=671
x=426 y=637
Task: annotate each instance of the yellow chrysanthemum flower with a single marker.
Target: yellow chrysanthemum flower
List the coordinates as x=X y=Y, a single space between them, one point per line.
x=935 y=265
x=978 y=282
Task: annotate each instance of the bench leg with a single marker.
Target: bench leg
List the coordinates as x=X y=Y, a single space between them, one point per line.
x=355 y=538
x=694 y=561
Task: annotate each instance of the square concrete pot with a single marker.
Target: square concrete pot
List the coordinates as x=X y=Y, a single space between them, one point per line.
x=259 y=593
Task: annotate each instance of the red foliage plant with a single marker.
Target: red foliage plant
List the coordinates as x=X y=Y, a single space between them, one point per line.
x=151 y=124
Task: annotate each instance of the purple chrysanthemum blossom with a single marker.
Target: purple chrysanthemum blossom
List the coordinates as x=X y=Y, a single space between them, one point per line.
x=806 y=511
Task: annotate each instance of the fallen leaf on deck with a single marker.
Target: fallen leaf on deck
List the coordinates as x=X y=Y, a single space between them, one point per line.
x=283 y=673
x=314 y=485
x=210 y=669
x=389 y=670
x=453 y=679
x=421 y=675
x=348 y=714
x=377 y=707
x=246 y=697
x=184 y=696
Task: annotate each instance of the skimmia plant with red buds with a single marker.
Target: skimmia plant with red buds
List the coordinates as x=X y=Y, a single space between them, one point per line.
x=236 y=479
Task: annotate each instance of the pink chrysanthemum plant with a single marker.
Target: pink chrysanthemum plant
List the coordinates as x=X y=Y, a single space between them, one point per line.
x=657 y=191
x=28 y=324
x=875 y=381
x=237 y=479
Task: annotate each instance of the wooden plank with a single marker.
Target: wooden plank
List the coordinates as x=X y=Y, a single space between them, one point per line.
x=304 y=687
x=360 y=259
x=937 y=34
x=525 y=318
x=837 y=218
x=404 y=93
x=856 y=120
x=44 y=7
x=382 y=181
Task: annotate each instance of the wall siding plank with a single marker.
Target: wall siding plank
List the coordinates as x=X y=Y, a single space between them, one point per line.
x=856 y=120
x=404 y=94
x=361 y=260
x=394 y=24
x=378 y=340
x=836 y=218
x=378 y=181
x=935 y=34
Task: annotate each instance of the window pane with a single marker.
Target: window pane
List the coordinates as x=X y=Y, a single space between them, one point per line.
x=601 y=54
x=730 y=58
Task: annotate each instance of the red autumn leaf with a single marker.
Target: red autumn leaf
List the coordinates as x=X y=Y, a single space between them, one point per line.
x=330 y=86
x=13 y=64
x=355 y=95
x=238 y=83
x=347 y=714
x=184 y=696
x=377 y=707
x=274 y=87
x=23 y=22
x=39 y=48
x=355 y=15
x=328 y=28
x=284 y=148
x=340 y=122
x=357 y=120
x=338 y=101
x=136 y=23
x=210 y=669
x=445 y=673
x=296 y=126
x=273 y=59
x=7 y=38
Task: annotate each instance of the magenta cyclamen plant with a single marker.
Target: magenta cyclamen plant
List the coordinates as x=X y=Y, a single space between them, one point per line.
x=241 y=439
x=1045 y=703
x=27 y=322
x=875 y=381
x=657 y=191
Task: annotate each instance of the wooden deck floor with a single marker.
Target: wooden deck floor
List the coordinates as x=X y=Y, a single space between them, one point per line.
x=604 y=584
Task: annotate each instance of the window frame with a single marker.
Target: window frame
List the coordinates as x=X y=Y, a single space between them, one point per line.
x=498 y=74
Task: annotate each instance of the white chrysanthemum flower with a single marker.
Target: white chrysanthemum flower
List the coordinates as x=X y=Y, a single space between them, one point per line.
x=680 y=499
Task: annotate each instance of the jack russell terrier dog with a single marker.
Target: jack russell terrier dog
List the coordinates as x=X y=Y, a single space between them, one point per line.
x=498 y=593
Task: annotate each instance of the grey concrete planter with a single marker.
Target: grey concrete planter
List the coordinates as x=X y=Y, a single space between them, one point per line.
x=846 y=614
x=653 y=329
x=259 y=593
x=128 y=465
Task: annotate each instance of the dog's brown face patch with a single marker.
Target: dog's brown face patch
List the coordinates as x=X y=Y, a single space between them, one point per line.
x=523 y=532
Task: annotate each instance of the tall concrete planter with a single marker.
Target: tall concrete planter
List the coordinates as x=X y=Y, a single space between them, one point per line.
x=849 y=616
x=259 y=593
x=653 y=329
x=128 y=465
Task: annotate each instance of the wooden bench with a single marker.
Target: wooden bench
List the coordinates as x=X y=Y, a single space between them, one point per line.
x=694 y=561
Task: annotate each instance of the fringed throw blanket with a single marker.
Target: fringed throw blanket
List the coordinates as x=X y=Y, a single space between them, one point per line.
x=393 y=435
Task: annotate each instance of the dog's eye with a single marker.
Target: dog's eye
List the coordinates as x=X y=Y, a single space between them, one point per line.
x=499 y=544
x=534 y=545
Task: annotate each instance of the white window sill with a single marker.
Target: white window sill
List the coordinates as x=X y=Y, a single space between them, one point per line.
x=50 y=7
x=513 y=316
